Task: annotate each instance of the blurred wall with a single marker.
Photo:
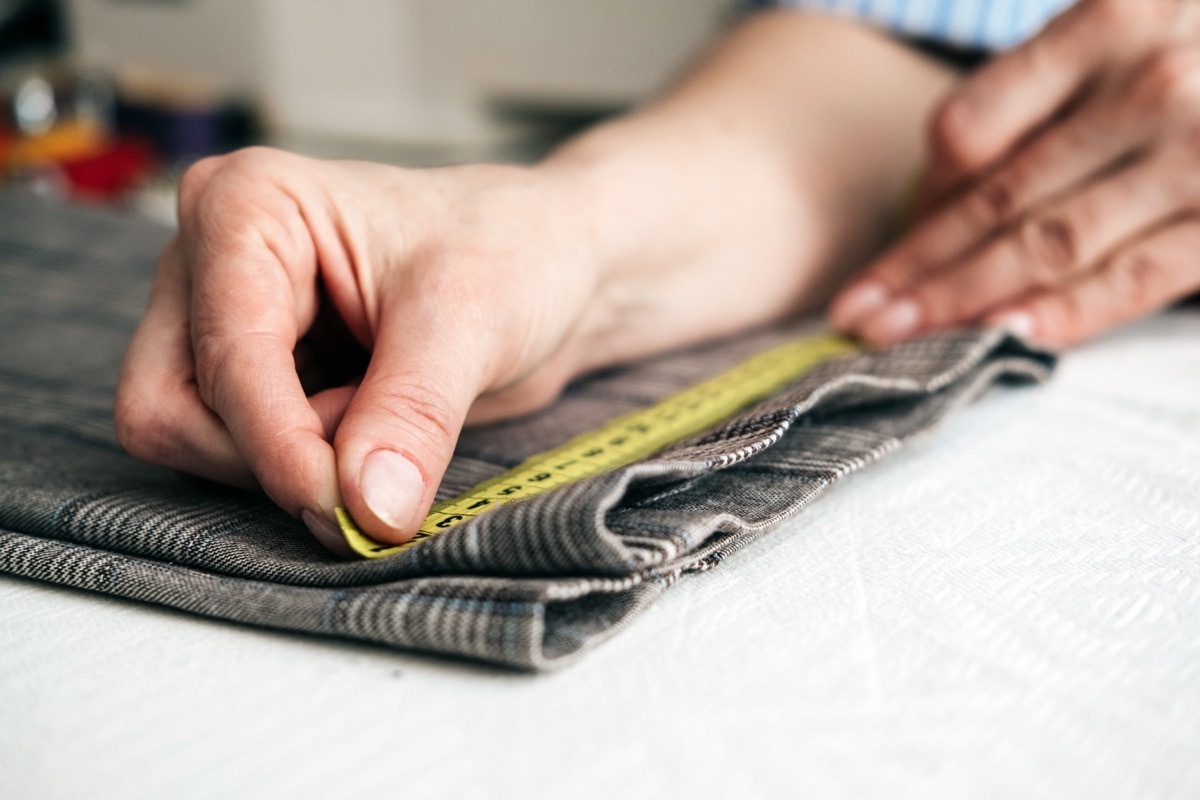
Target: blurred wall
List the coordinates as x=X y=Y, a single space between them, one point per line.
x=221 y=42
x=401 y=70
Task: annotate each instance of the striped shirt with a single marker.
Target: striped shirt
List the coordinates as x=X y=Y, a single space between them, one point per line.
x=970 y=24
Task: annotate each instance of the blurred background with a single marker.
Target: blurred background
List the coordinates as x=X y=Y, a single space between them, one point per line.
x=106 y=101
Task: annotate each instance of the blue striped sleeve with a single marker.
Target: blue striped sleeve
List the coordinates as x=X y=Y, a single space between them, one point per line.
x=981 y=24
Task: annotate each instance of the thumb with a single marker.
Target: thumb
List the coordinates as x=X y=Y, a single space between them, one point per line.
x=399 y=431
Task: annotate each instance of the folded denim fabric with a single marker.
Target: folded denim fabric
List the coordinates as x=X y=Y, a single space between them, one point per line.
x=531 y=585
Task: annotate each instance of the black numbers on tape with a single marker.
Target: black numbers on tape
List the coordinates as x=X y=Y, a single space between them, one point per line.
x=618 y=443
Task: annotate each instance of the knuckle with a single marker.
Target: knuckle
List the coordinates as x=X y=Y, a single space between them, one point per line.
x=1051 y=244
x=142 y=427
x=1141 y=280
x=1074 y=137
x=221 y=356
x=249 y=164
x=196 y=180
x=992 y=203
x=212 y=354
x=208 y=354
x=421 y=412
x=253 y=159
x=1169 y=80
x=257 y=165
x=126 y=422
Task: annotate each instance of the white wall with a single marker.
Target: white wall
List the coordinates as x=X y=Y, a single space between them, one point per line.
x=362 y=68
x=403 y=70
x=217 y=42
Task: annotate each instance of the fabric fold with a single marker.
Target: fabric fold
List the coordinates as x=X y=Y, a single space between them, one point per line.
x=531 y=585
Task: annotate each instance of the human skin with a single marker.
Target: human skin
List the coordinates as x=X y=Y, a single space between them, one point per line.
x=1064 y=186
x=740 y=197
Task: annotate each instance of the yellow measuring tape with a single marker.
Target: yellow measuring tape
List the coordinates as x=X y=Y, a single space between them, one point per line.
x=623 y=440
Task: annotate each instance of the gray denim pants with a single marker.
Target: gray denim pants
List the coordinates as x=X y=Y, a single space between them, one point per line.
x=532 y=585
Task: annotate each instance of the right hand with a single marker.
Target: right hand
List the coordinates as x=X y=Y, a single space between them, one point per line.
x=470 y=287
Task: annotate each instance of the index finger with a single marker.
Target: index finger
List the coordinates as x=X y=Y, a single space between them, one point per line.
x=246 y=319
x=1007 y=100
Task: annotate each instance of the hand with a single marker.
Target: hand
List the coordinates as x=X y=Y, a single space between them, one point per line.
x=1064 y=185
x=468 y=294
x=469 y=288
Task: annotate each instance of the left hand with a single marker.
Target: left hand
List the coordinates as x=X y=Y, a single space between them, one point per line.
x=1065 y=179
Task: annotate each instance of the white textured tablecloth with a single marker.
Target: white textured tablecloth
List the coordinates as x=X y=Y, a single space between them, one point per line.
x=1008 y=608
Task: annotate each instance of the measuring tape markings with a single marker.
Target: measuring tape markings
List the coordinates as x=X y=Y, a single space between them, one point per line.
x=623 y=440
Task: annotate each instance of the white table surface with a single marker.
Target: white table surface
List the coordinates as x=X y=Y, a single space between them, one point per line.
x=1008 y=608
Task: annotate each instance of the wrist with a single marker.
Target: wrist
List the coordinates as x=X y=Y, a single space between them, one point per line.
x=687 y=216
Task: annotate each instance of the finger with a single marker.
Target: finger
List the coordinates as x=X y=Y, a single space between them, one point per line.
x=1145 y=276
x=158 y=413
x=399 y=431
x=1048 y=248
x=988 y=115
x=246 y=317
x=1087 y=142
x=1102 y=136
x=330 y=406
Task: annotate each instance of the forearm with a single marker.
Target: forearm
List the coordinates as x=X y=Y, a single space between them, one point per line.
x=772 y=167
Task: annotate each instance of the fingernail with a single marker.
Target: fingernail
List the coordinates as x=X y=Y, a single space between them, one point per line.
x=1018 y=323
x=860 y=301
x=895 y=322
x=326 y=533
x=392 y=488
